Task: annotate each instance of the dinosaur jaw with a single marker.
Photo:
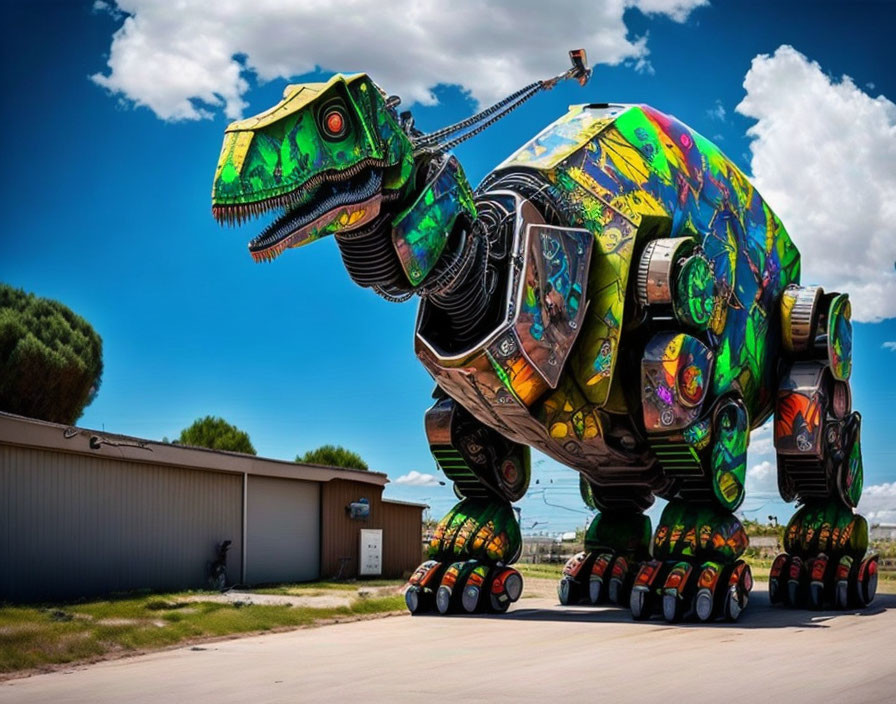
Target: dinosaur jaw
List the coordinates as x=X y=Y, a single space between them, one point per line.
x=338 y=202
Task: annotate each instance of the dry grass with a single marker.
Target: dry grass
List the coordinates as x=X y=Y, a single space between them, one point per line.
x=34 y=637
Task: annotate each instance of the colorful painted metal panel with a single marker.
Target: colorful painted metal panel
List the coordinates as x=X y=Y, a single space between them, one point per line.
x=729 y=455
x=700 y=532
x=675 y=374
x=505 y=380
x=694 y=299
x=626 y=534
x=477 y=529
x=800 y=411
x=553 y=300
x=634 y=162
x=851 y=475
x=421 y=232
x=826 y=527
x=273 y=153
x=840 y=337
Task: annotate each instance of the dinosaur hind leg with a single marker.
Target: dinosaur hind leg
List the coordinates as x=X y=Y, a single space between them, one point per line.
x=471 y=551
x=617 y=541
x=818 y=443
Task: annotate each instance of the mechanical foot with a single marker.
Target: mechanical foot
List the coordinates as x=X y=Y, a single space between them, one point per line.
x=462 y=587
x=615 y=544
x=826 y=565
x=595 y=578
x=696 y=573
x=687 y=589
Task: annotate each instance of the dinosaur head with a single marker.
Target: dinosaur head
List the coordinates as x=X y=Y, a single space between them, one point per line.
x=335 y=158
x=327 y=159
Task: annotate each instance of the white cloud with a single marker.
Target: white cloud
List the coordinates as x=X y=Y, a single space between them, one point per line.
x=717 y=111
x=180 y=59
x=761 y=440
x=762 y=478
x=415 y=478
x=878 y=503
x=822 y=156
x=890 y=346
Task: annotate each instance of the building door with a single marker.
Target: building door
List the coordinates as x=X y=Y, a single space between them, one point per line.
x=282 y=530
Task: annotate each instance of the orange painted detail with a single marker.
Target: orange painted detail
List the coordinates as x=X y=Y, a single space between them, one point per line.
x=708 y=578
x=647 y=573
x=335 y=122
x=574 y=565
x=451 y=576
x=793 y=406
x=498 y=583
x=819 y=565
x=620 y=568
x=778 y=566
x=599 y=568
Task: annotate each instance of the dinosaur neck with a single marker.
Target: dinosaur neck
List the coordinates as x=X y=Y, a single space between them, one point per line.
x=462 y=293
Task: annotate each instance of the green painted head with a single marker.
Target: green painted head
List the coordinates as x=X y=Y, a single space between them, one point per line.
x=329 y=156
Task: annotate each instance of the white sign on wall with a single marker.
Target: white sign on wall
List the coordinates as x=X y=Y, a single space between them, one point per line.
x=371 y=551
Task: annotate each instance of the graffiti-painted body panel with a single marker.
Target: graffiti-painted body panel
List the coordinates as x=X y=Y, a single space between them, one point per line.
x=630 y=162
x=619 y=165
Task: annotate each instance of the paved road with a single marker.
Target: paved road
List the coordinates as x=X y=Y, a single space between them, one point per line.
x=536 y=652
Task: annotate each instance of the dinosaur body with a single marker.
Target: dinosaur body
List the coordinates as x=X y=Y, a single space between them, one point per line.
x=615 y=294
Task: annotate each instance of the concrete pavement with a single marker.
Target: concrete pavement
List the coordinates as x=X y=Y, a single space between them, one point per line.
x=536 y=652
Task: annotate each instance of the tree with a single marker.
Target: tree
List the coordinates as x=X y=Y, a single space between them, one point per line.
x=333 y=456
x=51 y=360
x=216 y=434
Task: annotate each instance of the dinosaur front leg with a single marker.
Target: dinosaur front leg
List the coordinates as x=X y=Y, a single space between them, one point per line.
x=476 y=542
x=817 y=438
x=696 y=568
x=617 y=541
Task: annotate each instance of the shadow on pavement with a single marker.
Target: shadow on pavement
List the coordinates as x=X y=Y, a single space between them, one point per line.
x=759 y=614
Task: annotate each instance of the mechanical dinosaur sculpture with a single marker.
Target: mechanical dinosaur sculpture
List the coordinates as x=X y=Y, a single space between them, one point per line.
x=615 y=294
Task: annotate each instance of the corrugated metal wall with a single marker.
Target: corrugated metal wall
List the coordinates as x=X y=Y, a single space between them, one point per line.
x=340 y=535
x=402 y=539
x=282 y=530
x=74 y=526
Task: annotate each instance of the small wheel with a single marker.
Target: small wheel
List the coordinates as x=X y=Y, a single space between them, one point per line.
x=641 y=604
x=620 y=578
x=673 y=608
x=841 y=595
x=595 y=590
x=498 y=605
x=443 y=600
x=470 y=598
x=704 y=604
x=735 y=603
x=569 y=591
x=777 y=580
x=796 y=574
x=867 y=587
x=413 y=599
x=816 y=596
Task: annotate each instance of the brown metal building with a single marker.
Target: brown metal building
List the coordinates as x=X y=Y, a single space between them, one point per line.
x=84 y=513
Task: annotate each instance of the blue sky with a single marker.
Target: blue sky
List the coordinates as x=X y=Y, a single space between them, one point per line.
x=106 y=204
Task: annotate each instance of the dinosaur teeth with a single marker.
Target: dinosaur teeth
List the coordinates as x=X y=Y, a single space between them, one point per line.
x=238 y=213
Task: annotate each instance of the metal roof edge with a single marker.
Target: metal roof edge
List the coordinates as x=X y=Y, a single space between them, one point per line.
x=21 y=431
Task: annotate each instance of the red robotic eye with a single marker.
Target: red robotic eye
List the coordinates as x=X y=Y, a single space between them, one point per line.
x=334 y=123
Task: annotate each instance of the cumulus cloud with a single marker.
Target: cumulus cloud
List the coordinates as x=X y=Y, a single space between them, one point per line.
x=762 y=478
x=878 y=503
x=186 y=60
x=822 y=155
x=890 y=346
x=415 y=478
x=761 y=440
